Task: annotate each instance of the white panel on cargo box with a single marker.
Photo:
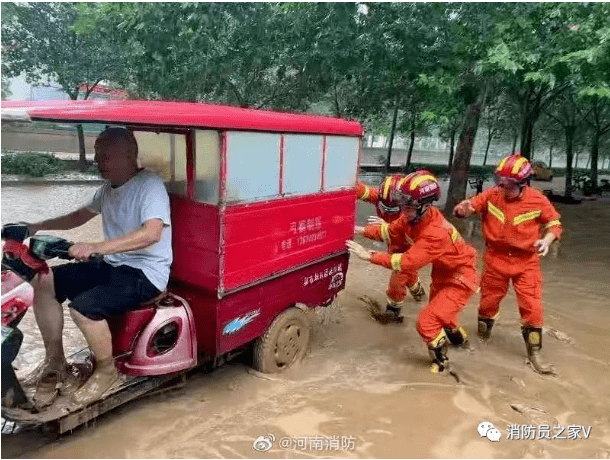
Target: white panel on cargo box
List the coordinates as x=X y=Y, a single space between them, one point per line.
x=341 y=162
x=253 y=166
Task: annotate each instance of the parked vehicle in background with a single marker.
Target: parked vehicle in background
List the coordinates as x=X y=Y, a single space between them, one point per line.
x=542 y=171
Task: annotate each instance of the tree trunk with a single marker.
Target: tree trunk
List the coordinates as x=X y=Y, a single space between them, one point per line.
x=408 y=162
x=551 y=157
x=532 y=151
x=391 y=141
x=594 y=157
x=461 y=163
x=514 y=143
x=487 y=150
x=82 y=158
x=569 y=157
x=526 y=136
x=451 y=150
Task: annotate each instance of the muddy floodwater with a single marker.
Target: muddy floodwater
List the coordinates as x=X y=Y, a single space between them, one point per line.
x=364 y=389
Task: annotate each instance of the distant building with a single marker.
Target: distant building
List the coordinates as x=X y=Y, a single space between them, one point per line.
x=102 y=91
x=22 y=91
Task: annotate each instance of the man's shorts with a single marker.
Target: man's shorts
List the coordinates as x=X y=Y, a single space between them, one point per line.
x=99 y=290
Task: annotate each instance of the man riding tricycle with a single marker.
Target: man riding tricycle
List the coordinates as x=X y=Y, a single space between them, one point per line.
x=222 y=225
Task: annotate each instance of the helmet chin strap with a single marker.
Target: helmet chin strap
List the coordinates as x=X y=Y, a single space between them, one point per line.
x=420 y=211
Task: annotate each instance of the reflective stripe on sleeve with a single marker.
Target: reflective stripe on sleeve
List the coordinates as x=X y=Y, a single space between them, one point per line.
x=454 y=234
x=552 y=223
x=395 y=261
x=385 y=233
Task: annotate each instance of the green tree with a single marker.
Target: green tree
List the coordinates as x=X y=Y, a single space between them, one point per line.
x=399 y=41
x=415 y=121
x=599 y=123
x=469 y=30
x=38 y=40
x=498 y=119
x=549 y=136
x=6 y=92
x=287 y=56
x=569 y=113
x=539 y=47
x=444 y=107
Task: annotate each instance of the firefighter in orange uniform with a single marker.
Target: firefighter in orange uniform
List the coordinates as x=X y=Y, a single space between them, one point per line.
x=427 y=238
x=388 y=210
x=513 y=215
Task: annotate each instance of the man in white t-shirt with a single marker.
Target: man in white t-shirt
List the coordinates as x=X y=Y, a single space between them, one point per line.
x=137 y=255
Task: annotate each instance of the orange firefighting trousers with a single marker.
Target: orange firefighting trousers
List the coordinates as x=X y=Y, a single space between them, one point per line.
x=447 y=299
x=398 y=285
x=523 y=268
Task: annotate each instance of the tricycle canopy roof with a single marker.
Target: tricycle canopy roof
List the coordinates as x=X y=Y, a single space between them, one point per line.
x=177 y=115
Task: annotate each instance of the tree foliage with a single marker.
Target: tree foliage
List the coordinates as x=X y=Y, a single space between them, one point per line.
x=400 y=68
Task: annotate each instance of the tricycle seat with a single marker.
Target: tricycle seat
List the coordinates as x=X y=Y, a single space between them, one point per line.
x=126 y=328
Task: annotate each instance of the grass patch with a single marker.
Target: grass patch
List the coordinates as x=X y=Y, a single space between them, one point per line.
x=31 y=164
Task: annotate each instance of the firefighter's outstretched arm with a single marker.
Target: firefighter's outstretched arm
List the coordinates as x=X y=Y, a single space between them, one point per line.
x=463 y=209
x=358 y=250
x=477 y=203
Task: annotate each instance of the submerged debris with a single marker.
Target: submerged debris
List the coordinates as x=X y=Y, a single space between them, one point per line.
x=378 y=313
x=561 y=336
x=535 y=414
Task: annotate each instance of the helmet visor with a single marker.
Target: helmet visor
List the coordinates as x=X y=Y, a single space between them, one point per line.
x=506 y=183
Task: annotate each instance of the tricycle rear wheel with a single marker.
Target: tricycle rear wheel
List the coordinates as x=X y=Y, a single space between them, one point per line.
x=284 y=343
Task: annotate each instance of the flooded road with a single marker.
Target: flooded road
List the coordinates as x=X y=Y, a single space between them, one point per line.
x=364 y=390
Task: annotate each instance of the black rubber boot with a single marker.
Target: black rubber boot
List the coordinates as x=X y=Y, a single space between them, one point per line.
x=394 y=313
x=417 y=291
x=458 y=336
x=533 y=344
x=438 y=353
x=484 y=328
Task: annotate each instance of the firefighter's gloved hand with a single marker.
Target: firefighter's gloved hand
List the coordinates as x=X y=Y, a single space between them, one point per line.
x=542 y=245
x=374 y=220
x=358 y=250
x=358 y=230
x=463 y=209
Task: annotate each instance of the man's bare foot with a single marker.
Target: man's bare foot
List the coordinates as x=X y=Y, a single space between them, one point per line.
x=53 y=374
x=102 y=379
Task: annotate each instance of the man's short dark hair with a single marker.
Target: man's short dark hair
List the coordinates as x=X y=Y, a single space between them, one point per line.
x=113 y=135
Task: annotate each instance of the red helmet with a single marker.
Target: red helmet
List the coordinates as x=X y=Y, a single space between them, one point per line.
x=387 y=206
x=514 y=167
x=417 y=189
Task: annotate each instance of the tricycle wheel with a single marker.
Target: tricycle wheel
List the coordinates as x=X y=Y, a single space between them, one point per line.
x=284 y=343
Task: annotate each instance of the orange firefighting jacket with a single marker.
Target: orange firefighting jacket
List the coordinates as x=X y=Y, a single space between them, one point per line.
x=516 y=223
x=430 y=240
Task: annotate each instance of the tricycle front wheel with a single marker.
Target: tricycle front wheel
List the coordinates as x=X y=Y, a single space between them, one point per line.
x=284 y=343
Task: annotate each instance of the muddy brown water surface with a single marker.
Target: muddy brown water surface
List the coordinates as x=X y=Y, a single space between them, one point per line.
x=364 y=390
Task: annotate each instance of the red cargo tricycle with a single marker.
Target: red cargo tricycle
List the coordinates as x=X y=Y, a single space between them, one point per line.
x=261 y=205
